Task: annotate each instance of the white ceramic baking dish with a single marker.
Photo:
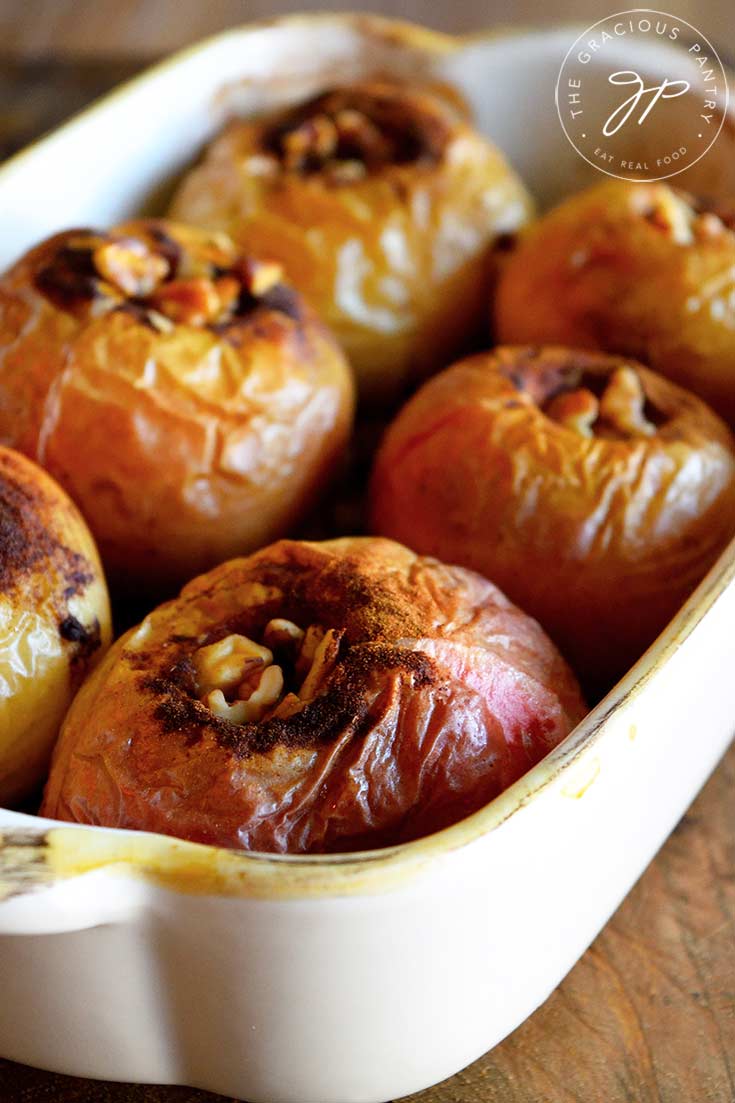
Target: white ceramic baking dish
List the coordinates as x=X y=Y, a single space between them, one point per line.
x=335 y=980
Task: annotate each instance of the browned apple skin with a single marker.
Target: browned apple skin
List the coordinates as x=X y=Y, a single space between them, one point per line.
x=609 y=269
x=399 y=261
x=182 y=444
x=600 y=539
x=443 y=694
x=54 y=618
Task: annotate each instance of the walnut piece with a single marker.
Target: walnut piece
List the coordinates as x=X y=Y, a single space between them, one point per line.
x=193 y=302
x=224 y=665
x=315 y=138
x=130 y=266
x=358 y=133
x=708 y=226
x=282 y=633
x=210 y=285
x=259 y=276
x=238 y=680
x=575 y=410
x=322 y=663
x=266 y=693
x=217 y=703
x=623 y=404
x=673 y=215
x=619 y=412
x=344 y=144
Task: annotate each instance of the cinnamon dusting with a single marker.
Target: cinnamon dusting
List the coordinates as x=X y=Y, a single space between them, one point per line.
x=31 y=554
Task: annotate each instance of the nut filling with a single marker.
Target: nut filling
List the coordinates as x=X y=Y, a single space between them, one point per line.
x=688 y=219
x=349 y=134
x=619 y=411
x=245 y=682
x=158 y=281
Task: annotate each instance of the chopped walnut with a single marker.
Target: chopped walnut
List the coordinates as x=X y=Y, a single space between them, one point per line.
x=315 y=138
x=313 y=637
x=261 y=164
x=356 y=132
x=709 y=225
x=282 y=633
x=576 y=410
x=239 y=681
x=217 y=703
x=228 y=290
x=623 y=403
x=260 y=276
x=322 y=663
x=223 y=665
x=251 y=708
x=290 y=705
x=620 y=411
x=200 y=300
x=670 y=213
x=191 y=302
x=130 y=266
x=208 y=285
x=215 y=254
x=107 y=299
x=160 y=322
x=347 y=172
x=343 y=141
x=266 y=694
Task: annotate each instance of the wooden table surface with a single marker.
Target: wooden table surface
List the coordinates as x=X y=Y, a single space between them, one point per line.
x=151 y=27
x=648 y=1014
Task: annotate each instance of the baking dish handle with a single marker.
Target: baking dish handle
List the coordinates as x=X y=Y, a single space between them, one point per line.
x=37 y=898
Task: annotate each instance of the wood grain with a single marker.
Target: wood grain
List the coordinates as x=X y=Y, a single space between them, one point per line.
x=648 y=1014
x=149 y=27
x=37 y=95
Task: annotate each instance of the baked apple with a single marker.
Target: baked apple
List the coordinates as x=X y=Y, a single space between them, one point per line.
x=314 y=697
x=593 y=491
x=633 y=268
x=383 y=205
x=54 y=618
x=187 y=399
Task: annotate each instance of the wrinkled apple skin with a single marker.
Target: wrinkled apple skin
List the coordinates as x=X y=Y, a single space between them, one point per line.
x=631 y=268
x=443 y=694
x=600 y=539
x=54 y=618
